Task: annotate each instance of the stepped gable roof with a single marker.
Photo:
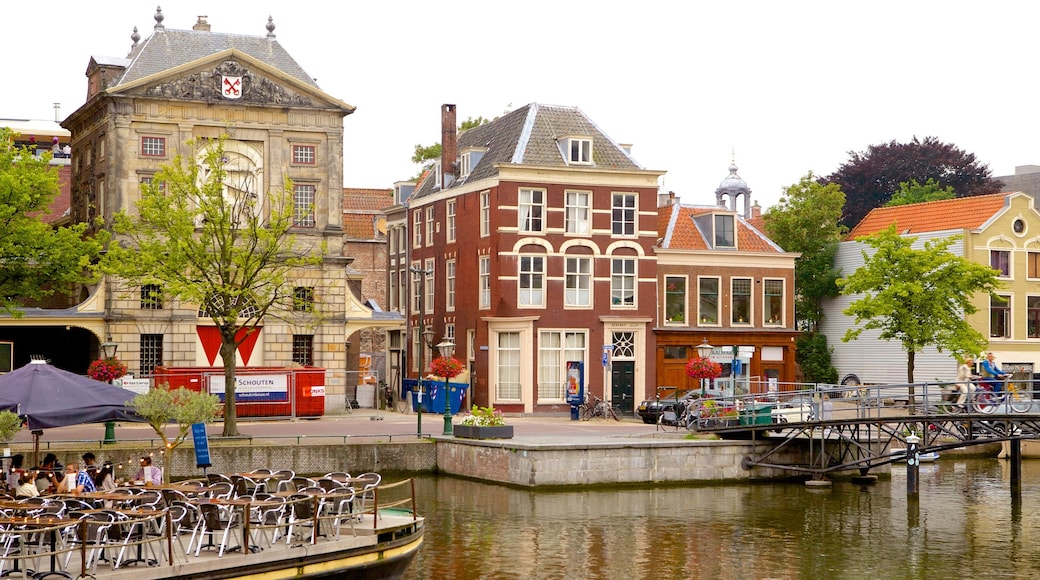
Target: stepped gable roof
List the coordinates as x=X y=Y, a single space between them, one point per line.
x=167 y=49
x=529 y=136
x=932 y=216
x=678 y=231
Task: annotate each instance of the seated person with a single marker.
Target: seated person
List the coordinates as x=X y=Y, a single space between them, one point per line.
x=26 y=487
x=147 y=473
x=992 y=374
x=76 y=481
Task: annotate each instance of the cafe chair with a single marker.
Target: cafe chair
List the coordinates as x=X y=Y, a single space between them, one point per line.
x=367 y=490
x=180 y=523
x=217 y=520
x=220 y=490
x=129 y=532
x=341 y=509
x=91 y=534
x=266 y=522
x=301 y=518
x=301 y=482
x=243 y=487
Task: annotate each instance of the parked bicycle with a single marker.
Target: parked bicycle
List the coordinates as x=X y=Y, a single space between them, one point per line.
x=596 y=407
x=1017 y=397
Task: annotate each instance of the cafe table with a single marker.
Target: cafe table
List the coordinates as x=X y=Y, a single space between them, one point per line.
x=49 y=525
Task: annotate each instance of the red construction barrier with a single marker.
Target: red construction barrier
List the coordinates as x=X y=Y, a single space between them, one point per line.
x=260 y=391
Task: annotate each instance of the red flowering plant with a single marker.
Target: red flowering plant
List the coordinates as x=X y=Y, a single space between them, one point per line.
x=703 y=368
x=446 y=366
x=106 y=369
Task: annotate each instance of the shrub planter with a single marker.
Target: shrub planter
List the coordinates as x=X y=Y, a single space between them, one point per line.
x=478 y=432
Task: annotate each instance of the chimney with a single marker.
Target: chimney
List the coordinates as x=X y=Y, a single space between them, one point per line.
x=449 y=146
x=756 y=211
x=201 y=25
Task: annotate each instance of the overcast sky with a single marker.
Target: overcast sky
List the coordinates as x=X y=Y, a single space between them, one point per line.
x=782 y=87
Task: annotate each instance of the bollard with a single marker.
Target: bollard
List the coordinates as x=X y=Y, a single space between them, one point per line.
x=110 y=431
x=913 y=464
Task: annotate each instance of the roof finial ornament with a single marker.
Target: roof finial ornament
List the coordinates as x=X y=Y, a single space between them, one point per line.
x=136 y=37
x=270 y=27
x=159 y=18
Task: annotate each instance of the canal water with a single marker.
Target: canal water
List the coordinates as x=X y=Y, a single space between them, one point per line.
x=964 y=524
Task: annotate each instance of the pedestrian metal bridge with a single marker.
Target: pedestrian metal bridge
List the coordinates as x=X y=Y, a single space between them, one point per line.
x=844 y=428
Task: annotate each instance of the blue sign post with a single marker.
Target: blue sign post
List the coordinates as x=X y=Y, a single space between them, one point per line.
x=198 y=435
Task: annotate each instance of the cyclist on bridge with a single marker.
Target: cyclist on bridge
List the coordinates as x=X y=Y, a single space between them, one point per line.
x=992 y=374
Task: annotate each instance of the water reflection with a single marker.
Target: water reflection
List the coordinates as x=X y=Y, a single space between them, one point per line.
x=962 y=524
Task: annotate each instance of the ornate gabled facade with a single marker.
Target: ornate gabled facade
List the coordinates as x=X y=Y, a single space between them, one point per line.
x=722 y=281
x=178 y=86
x=531 y=245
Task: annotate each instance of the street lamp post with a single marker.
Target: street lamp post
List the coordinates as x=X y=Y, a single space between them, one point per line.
x=423 y=340
x=447 y=349
x=704 y=351
x=108 y=350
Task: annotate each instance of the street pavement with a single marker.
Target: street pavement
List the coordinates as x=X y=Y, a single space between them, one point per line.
x=367 y=422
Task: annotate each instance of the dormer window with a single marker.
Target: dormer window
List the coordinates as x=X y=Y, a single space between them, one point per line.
x=725 y=232
x=468 y=160
x=578 y=150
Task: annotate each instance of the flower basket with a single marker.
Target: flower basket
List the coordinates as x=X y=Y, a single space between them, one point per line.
x=106 y=369
x=703 y=368
x=447 y=367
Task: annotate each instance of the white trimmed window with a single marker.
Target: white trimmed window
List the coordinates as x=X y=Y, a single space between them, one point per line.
x=579 y=151
x=303 y=204
x=485 y=214
x=507 y=388
x=485 y=281
x=708 y=300
x=429 y=226
x=576 y=220
x=430 y=290
x=578 y=282
x=623 y=214
x=725 y=235
x=303 y=155
x=449 y=295
x=1000 y=260
x=675 y=299
x=532 y=281
x=999 y=316
x=416 y=289
x=531 y=210
x=622 y=282
x=740 y=301
x=772 y=302
x=555 y=349
x=450 y=210
x=151 y=147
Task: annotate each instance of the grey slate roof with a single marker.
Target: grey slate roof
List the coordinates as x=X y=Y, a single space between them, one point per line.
x=166 y=49
x=528 y=136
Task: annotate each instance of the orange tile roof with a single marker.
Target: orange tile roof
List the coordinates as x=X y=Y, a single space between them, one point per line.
x=359 y=226
x=362 y=199
x=685 y=236
x=932 y=216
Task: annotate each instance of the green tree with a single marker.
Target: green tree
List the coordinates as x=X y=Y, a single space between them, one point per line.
x=919 y=297
x=914 y=192
x=162 y=405
x=200 y=233
x=806 y=221
x=36 y=259
x=814 y=358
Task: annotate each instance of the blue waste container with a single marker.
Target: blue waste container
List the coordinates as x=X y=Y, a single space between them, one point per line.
x=433 y=395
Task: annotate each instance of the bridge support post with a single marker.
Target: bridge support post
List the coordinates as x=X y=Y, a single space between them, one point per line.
x=913 y=464
x=1015 y=463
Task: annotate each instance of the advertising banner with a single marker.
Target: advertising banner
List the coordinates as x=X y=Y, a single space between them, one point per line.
x=253 y=388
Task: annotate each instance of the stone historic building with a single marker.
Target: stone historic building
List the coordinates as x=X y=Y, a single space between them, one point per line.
x=179 y=86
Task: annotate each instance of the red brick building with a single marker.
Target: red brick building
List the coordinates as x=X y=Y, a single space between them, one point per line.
x=530 y=245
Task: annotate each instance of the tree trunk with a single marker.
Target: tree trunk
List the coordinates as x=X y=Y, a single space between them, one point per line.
x=227 y=353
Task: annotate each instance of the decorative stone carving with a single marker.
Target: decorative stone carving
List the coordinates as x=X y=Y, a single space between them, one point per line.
x=208 y=86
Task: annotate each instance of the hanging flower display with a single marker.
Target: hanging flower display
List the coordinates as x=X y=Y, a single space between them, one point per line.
x=703 y=368
x=106 y=369
x=446 y=367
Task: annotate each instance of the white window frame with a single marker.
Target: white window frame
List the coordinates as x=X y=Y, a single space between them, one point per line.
x=530 y=294
x=686 y=300
x=416 y=229
x=509 y=357
x=484 y=275
x=623 y=284
x=1008 y=320
x=305 y=196
x=431 y=291
x=530 y=210
x=577 y=287
x=578 y=212
x=1005 y=252
x=449 y=294
x=725 y=219
x=429 y=226
x=416 y=287
x=733 y=320
x=701 y=321
x=449 y=209
x=485 y=214
x=579 y=151
x=624 y=216
x=777 y=320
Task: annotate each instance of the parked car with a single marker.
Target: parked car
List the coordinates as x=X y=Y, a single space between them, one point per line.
x=650 y=410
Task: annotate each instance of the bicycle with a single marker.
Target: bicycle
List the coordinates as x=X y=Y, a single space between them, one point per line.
x=986 y=400
x=596 y=408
